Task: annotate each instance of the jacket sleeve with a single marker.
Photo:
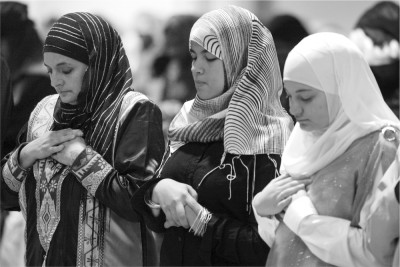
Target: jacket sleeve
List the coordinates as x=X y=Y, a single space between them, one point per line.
x=138 y=152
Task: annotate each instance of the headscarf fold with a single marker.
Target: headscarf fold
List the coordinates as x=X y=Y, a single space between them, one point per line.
x=105 y=83
x=248 y=116
x=333 y=64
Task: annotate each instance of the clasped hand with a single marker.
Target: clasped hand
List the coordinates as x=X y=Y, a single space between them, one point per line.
x=178 y=201
x=63 y=145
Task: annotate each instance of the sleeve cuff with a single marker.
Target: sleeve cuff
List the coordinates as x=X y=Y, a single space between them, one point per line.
x=299 y=209
x=13 y=173
x=90 y=168
x=266 y=227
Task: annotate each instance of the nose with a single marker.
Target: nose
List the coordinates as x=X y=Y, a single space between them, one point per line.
x=197 y=67
x=294 y=108
x=56 y=81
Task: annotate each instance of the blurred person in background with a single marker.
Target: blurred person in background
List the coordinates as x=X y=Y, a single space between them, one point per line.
x=174 y=62
x=287 y=31
x=377 y=35
x=171 y=82
x=22 y=47
x=12 y=224
x=85 y=151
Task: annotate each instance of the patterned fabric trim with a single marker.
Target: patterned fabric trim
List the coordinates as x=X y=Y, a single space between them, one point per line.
x=90 y=168
x=22 y=200
x=48 y=198
x=13 y=173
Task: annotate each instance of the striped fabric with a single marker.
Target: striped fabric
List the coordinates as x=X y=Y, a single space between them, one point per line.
x=254 y=122
x=106 y=81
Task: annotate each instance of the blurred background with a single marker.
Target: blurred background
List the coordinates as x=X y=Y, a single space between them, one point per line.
x=155 y=35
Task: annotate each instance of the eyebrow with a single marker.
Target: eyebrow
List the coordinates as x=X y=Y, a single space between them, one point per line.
x=204 y=51
x=303 y=90
x=58 y=65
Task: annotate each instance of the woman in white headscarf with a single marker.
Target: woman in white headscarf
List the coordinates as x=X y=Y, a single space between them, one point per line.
x=345 y=139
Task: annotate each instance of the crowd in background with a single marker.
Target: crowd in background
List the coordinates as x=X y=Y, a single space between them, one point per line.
x=162 y=72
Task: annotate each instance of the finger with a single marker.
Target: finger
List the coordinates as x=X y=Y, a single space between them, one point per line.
x=284 y=203
x=181 y=216
x=290 y=183
x=192 y=192
x=282 y=180
x=193 y=204
x=282 y=176
x=290 y=191
x=168 y=215
x=56 y=149
x=77 y=132
x=175 y=213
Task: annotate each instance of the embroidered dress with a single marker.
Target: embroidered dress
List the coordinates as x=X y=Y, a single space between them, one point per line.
x=82 y=215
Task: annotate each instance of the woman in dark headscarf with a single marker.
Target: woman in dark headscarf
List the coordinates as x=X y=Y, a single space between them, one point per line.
x=225 y=146
x=87 y=150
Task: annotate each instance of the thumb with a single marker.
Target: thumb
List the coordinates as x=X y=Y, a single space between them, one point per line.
x=193 y=204
x=192 y=192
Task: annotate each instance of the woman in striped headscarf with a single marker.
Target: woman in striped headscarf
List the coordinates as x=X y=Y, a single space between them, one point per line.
x=225 y=146
x=87 y=149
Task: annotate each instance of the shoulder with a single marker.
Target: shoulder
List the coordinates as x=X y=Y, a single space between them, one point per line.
x=41 y=117
x=134 y=102
x=384 y=143
x=48 y=103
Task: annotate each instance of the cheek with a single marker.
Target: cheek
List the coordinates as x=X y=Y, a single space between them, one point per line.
x=322 y=115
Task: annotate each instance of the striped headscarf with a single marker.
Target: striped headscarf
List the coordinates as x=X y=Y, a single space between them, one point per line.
x=91 y=40
x=248 y=116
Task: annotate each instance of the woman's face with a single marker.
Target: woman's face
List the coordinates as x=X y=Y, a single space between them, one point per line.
x=208 y=72
x=308 y=105
x=66 y=75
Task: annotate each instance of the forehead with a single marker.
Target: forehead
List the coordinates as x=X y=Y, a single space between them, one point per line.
x=52 y=59
x=194 y=46
x=296 y=87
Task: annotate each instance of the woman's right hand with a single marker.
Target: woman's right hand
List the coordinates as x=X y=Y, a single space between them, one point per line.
x=48 y=144
x=277 y=194
x=172 y=197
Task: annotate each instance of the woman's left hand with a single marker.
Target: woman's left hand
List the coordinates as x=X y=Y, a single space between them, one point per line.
x=71 y=151
x=192 y=208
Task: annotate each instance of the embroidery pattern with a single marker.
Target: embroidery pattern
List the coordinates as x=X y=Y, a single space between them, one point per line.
x=13 y=174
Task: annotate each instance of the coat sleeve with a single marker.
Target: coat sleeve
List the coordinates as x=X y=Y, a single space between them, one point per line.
x=138 y=152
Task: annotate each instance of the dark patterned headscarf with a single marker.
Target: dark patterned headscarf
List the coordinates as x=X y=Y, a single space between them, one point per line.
x=91 y=40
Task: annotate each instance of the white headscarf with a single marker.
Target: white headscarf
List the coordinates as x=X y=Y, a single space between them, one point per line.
x=333 y=64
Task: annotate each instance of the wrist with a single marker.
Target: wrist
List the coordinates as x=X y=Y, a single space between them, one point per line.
x=25 y=157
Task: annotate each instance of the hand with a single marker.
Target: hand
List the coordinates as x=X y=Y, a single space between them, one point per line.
x=46 y=145
x=172 y=196
x=70 y=152
x=277 y=194
x=192 y=209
